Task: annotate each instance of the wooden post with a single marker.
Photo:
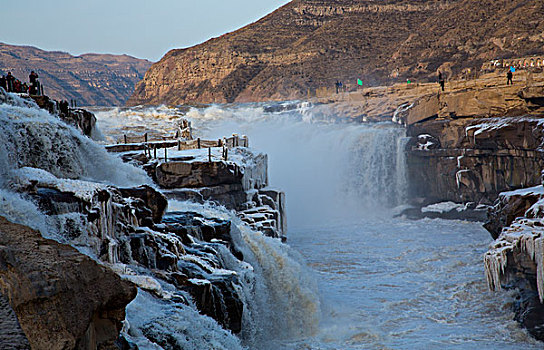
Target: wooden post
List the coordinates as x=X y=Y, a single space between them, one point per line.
x=179 y=145
x=125 y=137
x=145 y=137
x=226 y=153
x=165 y=155
x=198 y=142
x=209 y=154
x=155 y=151
x=219 y=143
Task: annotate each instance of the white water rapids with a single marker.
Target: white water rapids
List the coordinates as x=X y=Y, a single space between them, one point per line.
x=384 y=283
x=372 y=282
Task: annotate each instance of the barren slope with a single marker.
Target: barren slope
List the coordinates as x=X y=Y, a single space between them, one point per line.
x=91 y=79
x=308 y=44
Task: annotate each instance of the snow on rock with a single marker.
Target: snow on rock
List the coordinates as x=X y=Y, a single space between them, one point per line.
x=146 y=283
x=426 y=142
x=443 y=207
x=81 y=189
x=523 y=236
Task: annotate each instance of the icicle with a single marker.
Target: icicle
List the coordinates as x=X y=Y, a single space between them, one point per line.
x=539 y=254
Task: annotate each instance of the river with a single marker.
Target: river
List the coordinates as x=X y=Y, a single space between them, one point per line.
x=384 y=282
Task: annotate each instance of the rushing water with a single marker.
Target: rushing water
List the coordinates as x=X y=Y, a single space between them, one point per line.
x=384 y=283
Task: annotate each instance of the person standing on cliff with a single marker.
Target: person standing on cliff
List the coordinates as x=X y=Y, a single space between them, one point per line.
x=9 y=81
x=34 y=88
x=509 y=76
x=441 y=80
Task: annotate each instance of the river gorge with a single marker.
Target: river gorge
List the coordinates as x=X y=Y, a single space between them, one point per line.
x=355 y=271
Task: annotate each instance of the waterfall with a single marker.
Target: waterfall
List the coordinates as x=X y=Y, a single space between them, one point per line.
x=31 y=137
x=329 y=170
x=279 y=294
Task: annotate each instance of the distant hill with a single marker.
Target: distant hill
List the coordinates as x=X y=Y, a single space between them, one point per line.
x=91 y=79
x=309 y=44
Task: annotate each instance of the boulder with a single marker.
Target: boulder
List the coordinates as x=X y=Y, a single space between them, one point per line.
x=62 y=298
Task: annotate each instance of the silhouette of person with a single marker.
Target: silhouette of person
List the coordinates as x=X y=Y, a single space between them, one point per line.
x=9 y=81
x=3 y=84
x=509 y=76
x=34 y=83
x=441 y=80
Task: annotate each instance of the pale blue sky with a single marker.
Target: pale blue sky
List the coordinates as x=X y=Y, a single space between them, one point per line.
x=140 y=28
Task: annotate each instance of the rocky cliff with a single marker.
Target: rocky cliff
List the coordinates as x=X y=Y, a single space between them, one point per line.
x=310 y=44
x=90 y=79
x=475 y=140
x=515 y=259
x=480 y=143
x=61 y=298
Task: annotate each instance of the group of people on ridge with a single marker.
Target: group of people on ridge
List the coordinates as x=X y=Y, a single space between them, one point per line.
x=509 y=76
x=11 y=84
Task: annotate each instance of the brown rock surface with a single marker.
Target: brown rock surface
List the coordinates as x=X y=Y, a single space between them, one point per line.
x=90 y=79
x=474 y=162
x=307 y=45
x=62 y=298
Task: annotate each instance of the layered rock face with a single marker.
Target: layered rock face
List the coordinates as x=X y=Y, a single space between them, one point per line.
x=481 y=142
x=90 y=79
x=473 y=160
x=310 y=44
x=62 y=298
x=469 y=145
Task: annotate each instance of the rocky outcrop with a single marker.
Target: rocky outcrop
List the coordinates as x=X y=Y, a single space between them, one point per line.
x=470 y=144
x=79 y=118
x=308 y=45
x=90 y=79
x=119 y=228
x=62 y=298
x=476 y=158
x=515 y=260
x=239 y=183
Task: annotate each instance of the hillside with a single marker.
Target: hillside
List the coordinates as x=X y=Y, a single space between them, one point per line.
x=90 y=79
x=310 y=44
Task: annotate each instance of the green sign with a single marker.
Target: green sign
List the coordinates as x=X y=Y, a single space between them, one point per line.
x=359 y=82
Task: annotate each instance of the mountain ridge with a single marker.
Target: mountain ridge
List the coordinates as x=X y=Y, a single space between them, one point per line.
x=309 y=44
x=91 y=79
